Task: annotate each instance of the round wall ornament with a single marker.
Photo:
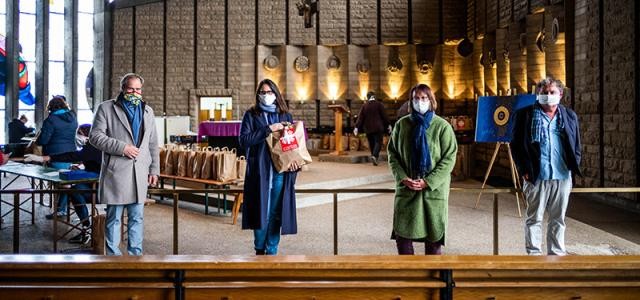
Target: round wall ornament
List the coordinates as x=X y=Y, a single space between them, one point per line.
x=333 y=62
x=301 y=64
x=271 y=62
x=363 y=66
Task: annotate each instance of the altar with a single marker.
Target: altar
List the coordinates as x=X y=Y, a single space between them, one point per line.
x=221 y=134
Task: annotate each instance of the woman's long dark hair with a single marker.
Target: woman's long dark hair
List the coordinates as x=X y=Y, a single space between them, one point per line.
x=280 y=103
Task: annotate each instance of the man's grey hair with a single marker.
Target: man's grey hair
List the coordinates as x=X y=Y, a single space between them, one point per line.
x=547 y=82
x=126 y=77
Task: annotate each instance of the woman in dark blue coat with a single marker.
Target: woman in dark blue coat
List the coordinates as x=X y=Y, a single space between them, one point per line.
x=58 y=133
x=269 y=206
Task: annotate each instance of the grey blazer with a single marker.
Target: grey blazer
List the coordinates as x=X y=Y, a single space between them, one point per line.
x=124 y=180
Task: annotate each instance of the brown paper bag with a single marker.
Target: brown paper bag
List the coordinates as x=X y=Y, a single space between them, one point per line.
x=354 y=143
x=97 y=233
x=242 y=167
x=364 y=143
x=198 y=162
x=288 y=145
x=226 y=165
x=33 y=147
x=345 y=142
x=207 y=166
x=163 y=156
x=190 y=160
x=170 y=167
x=326 y=143
x=183 y=163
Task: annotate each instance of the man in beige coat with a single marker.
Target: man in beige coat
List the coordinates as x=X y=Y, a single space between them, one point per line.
x=124 y=130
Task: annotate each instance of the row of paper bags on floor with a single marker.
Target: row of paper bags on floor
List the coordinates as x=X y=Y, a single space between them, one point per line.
x=349 y=142
x=206 y=163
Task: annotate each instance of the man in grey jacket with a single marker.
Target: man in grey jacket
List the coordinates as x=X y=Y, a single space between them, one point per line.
x=124 y=130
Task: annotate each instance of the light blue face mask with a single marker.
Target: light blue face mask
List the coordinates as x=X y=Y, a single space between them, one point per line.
x=133 y=98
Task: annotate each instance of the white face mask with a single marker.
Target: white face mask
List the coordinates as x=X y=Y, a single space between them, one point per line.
x=421 y=106
x=267 y=99
x=548 y=99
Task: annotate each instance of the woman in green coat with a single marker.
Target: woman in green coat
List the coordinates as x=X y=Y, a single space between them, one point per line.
x=422 y=153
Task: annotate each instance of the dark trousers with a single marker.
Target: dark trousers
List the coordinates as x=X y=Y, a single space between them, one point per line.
x=375 y=143
x=405 y=247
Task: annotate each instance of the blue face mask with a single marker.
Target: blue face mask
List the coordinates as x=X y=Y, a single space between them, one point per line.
x=133 y=98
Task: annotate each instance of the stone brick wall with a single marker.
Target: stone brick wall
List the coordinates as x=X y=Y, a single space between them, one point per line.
x=149 y=46
x=333 y=22
x=425 y=21
x=210 y=44
x=179 y=69
x=271 y=21
x=394 y=19
x=122 y=50
x=364 y=22
x=586 y=90
x=619 y=96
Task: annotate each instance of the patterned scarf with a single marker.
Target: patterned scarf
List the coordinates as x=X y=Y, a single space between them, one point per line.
x=538 y=130
x=421 y=160
x=134 y=115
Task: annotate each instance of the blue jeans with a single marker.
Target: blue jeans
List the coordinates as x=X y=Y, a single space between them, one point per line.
x=63 y=199
x=135 y=227
x=267 y=239
x=80 y=203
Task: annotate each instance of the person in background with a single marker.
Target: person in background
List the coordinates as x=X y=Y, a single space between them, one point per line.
x=124 y=130
x=546 y=151
x=58 y=135
x=269 y=206
x=422 y=153
x=91 y=159
x=373 y=121
x=18 y=129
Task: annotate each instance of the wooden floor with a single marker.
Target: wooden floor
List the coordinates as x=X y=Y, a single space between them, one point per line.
x=319 y=277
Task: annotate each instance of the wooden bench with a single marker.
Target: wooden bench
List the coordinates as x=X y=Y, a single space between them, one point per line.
x=319 y=277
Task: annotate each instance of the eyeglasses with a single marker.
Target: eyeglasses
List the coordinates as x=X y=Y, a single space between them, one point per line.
x=266 y=92
x=131 y=89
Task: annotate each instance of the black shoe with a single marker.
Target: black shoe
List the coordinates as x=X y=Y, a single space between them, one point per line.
x=260 y=252
x=81 y=238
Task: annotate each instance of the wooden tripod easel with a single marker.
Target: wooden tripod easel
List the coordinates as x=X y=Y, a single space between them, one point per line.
x=514 y=174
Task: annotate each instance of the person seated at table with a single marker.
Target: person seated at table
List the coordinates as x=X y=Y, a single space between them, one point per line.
x=58 y=135
x=91 y=158
x=18 y=129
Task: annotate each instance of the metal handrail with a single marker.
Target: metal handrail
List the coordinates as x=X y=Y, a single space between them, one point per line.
x=176 y=195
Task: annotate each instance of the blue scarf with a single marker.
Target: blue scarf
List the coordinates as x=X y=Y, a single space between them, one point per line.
x=538 y=130
x=421 y=160
x=60 y=111
x=270 y=112
x=134 y=115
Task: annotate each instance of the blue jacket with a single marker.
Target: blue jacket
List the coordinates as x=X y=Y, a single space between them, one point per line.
x=253 y=134
x=526 y=154
x=58 y=134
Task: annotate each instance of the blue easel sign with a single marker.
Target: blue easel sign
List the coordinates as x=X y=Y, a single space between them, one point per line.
x=495 y=117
